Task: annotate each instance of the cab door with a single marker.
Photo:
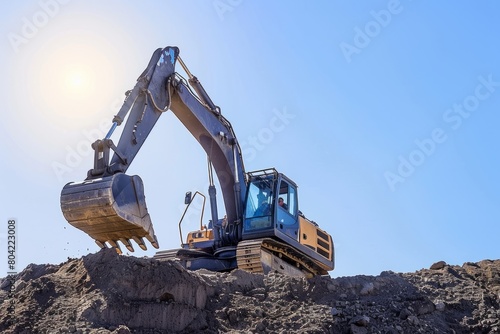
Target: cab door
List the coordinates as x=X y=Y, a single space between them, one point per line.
x=286 y=209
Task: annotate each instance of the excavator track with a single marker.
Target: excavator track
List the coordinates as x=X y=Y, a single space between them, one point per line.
x=249 y=255
x=265 y=255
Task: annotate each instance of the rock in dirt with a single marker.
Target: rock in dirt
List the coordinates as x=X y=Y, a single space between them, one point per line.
x=107 y=293
x=438 y=265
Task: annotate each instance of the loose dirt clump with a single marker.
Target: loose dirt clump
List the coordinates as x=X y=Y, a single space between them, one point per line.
x=108 y=293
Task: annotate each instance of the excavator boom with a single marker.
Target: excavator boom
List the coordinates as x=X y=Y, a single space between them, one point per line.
x=109 y=205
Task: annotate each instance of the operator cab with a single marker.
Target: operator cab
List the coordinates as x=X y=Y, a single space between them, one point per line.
x=271 y=204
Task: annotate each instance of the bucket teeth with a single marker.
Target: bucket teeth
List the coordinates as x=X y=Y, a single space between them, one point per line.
x=127 y=244
x=100 y=244
x=153 y=240
x=116 y=246
x=140 y=242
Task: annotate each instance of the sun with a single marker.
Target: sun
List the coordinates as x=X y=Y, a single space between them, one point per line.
x=78 y=82
x=70 y=85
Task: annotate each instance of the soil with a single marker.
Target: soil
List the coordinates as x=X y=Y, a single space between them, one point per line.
x=108 y=293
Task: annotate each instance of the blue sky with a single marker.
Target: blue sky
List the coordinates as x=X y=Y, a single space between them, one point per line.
x=388 y=110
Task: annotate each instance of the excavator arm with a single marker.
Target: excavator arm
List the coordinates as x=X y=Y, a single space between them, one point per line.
x=110 y=205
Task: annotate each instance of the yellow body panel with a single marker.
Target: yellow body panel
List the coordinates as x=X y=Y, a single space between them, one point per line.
x=197 y=236
x=315 y=238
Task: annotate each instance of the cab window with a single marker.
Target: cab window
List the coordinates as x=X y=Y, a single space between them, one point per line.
x=259 y=200
x=287 y=200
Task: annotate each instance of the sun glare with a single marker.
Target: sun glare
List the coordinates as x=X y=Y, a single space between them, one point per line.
x=78 y=83
x=76 y=80
x=65 y=84
x=71 y=85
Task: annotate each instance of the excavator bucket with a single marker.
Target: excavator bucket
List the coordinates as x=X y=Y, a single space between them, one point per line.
x=110 y=209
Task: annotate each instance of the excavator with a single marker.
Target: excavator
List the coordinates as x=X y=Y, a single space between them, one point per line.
x=262 y=230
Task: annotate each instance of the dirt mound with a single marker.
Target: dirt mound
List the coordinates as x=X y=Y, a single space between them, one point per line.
x=107 y=293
